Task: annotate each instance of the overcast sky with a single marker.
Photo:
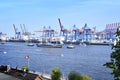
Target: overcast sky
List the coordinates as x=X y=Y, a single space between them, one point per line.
x=38 y=13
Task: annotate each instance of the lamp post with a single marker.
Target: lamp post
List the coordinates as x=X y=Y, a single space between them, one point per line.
x=28 y=63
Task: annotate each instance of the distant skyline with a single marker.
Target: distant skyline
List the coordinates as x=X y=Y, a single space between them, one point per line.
x=38 y=13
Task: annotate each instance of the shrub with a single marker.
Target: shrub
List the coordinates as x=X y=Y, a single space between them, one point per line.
x=56 y=74
x=85 y=77
x=76 y=76
x=73 y=76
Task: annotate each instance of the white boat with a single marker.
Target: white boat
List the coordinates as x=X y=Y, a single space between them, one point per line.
x=57 y=46
x=30 y=44
x=2 y=38
x=44 y=45
x=70 y=46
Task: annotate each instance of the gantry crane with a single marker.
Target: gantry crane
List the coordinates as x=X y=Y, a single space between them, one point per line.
x=77 y=32
x=17 y=34
x=47 y=32
x=63 y=32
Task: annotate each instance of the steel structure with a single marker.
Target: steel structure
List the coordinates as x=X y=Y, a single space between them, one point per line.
x=111 y=30
x=47 y=32
x=63 y=32
x=17 y=33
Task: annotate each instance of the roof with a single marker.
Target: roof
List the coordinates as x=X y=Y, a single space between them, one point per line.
x=15 y=74
x=7 y=77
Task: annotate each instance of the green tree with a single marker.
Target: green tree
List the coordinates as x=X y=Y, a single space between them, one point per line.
x=56 y=74
x=85 y=77
x=73 y=75
x=114 y=64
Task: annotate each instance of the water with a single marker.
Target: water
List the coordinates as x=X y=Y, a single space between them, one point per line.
x=87 y=60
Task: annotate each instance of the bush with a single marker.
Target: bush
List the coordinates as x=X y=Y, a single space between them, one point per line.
x=85 y=77
x=56 y=74
x=76 y=76
x=73 y=76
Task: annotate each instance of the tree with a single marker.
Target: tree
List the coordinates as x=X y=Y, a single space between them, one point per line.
x=73 y=76
x=85 y=77
x=114 y=64
x=56 y=74
x=76 y=76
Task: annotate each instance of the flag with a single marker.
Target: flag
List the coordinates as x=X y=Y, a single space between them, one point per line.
x=27 y=57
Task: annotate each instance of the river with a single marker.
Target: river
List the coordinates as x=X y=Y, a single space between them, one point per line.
x=87 y=60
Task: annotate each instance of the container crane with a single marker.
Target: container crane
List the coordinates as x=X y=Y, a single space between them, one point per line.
x=111 y=30
x=87 y=32
x=47 y=32
x=17 y=34
x=63 y=31
x=26 y=34
x=22 y=29
x=76 y=32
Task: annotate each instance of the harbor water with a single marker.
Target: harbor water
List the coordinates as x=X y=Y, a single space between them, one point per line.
x=87 y=60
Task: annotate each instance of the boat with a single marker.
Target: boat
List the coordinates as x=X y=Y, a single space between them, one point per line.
x=2 y=38
x=75 y=42
x=44 y=45
x=30 y=44
x=57 y=46
x=49 y=45
x=70 y=46
x=2 y=41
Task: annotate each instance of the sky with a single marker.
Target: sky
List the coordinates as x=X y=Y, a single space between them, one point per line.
x=38 y=13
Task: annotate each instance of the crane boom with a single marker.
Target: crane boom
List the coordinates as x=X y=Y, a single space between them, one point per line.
x=14 y=28
x=22 y=29
x=60 y=24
